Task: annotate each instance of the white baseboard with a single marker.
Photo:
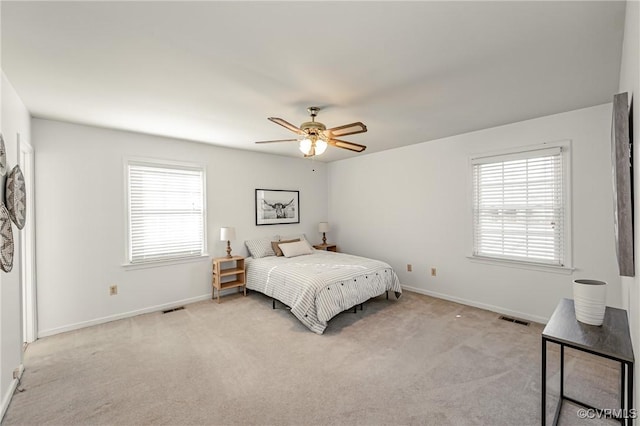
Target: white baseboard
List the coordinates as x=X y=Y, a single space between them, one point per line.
x=492 y=308
x=83 y=324
x=6 y=399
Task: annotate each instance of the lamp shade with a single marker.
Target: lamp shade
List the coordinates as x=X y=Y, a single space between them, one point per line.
x=323 y=227
x=227 y=234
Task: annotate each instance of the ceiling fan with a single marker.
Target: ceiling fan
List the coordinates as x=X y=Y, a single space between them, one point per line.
x=314 y=137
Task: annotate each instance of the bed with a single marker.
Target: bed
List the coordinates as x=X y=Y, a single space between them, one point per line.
x=322 y=284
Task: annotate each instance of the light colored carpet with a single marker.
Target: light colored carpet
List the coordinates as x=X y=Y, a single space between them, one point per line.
x=410 y=361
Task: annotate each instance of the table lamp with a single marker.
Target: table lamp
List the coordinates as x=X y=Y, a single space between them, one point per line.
x=323 y=227
x=227 y=234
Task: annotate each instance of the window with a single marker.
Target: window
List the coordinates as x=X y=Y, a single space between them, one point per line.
x=519 y=210
x=166 y=212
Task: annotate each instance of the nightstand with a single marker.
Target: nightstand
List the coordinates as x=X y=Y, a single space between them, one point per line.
x=232 y=267
x=326 y=247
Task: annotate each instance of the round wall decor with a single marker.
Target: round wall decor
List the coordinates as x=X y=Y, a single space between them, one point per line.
x=3 y=157
x=6 y=240
x=16 y=197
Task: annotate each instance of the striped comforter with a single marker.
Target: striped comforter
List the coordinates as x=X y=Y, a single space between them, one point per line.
x=320 y=285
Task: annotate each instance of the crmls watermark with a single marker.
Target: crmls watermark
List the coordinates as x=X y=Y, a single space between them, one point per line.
x=607 y=413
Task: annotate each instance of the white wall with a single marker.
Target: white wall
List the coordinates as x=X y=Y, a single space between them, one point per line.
x=15 y=121
x=411 y=205
x=80 y=219
x=630 y=82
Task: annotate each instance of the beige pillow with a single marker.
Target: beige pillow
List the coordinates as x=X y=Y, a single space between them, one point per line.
x=298 y=248
x=275 y=245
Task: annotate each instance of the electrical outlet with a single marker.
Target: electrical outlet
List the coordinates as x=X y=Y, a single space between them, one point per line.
x=433 y=272
x=409 y=267
x=113 y=290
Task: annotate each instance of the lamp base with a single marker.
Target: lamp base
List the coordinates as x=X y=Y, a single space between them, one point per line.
x=229 y=249
x=324 y=238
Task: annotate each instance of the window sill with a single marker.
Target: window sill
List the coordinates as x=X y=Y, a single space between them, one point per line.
x=161 y=263
x=565 y=270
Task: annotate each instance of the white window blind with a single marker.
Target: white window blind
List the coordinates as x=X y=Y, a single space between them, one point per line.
x=166 y=212
x=518 y=207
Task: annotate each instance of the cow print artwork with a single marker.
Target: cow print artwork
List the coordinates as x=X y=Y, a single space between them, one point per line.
x=6 y=243
x=277 y=206
x=16 y=197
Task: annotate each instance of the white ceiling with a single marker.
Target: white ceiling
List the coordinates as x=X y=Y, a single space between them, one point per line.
x=214 y=71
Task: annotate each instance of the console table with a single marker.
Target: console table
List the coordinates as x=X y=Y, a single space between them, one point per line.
x=611 y=340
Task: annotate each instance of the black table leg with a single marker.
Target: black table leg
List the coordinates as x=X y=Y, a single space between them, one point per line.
x=561 y=371
x=544 y=381
x=629 y=393
x=623 y=390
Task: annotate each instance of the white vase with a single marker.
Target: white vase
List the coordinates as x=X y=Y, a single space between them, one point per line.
x=590 y=297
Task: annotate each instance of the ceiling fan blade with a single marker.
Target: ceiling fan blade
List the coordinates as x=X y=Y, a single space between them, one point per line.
x=286 y=124
x=279 y=140
x=347 y=145
x=347 y=129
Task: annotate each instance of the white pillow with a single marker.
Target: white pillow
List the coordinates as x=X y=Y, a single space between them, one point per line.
x=261 y=247
x=298 y=248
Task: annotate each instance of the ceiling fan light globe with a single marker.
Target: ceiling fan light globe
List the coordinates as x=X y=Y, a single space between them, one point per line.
x=305 y=146
x=321 y=146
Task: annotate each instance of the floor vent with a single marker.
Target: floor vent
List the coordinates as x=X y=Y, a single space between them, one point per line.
x=179 y=308
x=514 y=320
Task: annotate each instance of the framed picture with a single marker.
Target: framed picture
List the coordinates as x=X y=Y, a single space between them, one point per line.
x=277 y=206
